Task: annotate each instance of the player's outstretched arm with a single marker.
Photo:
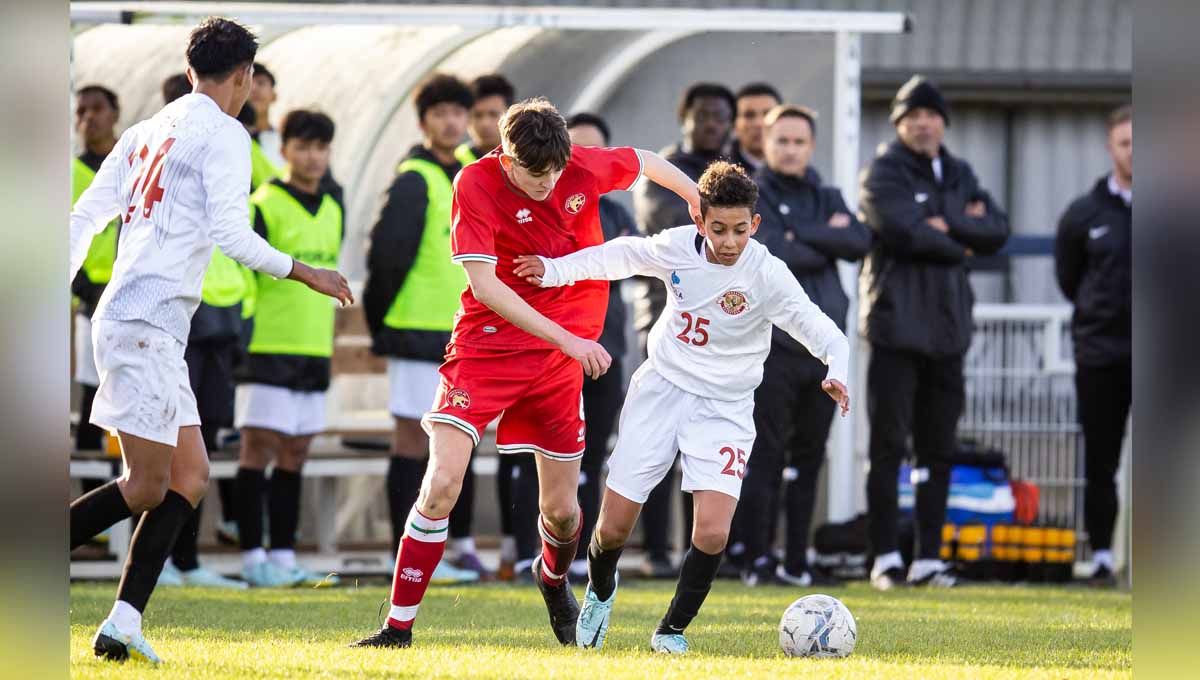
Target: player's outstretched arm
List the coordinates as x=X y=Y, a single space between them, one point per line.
x=501 y=299
x=617 y=259
x=325 y=281
x=660 y=171
x=791 y=309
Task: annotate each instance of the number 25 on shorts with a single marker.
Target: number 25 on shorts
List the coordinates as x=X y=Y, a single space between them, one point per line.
x=736 y=465
x=695 y=335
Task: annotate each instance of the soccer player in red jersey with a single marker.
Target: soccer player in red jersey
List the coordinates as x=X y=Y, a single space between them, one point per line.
x=519 y=352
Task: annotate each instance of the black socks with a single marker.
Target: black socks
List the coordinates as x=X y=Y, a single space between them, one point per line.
x=602 y=569
x=152 y=542
x=184 y=554
x=249 y=490
x=283 y=504
x=696 y=576
x=96 y=511
x=403 y=484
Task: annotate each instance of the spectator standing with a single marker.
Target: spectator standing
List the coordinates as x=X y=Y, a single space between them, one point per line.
x=493 y=95
x=1093 y=260
x=929 y=213
x=753 y=103
x=807 y=225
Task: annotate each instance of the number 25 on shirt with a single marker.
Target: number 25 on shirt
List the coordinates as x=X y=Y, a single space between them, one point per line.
x=693 y=332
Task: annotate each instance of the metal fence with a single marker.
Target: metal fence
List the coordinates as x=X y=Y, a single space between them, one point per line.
x=1020 y=399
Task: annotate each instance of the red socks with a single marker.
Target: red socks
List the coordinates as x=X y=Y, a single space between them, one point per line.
x=420 y=551
x=557 y=553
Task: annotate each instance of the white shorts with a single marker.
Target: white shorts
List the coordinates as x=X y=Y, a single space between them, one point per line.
x=413 y=384
x=290 y=412
x=85 y=357
x=658 y=419
x=144 y=389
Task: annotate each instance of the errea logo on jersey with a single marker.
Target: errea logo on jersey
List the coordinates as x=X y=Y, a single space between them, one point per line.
x=410 y=574
x=523 y=215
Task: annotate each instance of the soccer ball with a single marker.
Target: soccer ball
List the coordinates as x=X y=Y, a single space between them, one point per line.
x=818 y=626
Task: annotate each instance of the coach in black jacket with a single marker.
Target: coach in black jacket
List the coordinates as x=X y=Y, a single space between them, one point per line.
x=928 y=214
x=809 y=227
x=1092 y=256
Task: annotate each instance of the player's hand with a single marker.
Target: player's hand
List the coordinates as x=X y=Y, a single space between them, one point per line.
x=325 y=281
x=530 y=268
x=938 y=223
x=839 y=220
x=594 y=358
x=838 y=392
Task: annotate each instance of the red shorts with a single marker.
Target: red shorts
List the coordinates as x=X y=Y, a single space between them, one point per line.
x=537 y=394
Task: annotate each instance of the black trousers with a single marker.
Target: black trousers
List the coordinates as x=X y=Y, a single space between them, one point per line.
x=1105 y=394
x=911 y=394
x=601 y=405
x=792 y=418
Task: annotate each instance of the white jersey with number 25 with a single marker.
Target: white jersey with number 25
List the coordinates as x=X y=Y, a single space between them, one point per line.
x=715 y=332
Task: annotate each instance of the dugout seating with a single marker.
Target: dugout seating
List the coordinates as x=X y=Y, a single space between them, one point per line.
x=355 y=444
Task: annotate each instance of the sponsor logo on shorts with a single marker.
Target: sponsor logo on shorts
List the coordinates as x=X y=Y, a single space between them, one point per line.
x=733 y=302
x=410 y=574
x=458 y=398
x=575 y=203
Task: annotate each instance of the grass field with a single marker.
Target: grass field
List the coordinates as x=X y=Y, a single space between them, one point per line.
x=502 y=631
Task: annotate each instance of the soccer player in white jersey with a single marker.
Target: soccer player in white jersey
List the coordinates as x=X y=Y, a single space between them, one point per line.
x=695 y=392
x=179 y=182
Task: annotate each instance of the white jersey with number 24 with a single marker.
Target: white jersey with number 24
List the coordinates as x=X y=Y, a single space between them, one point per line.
x=715 y=332
x=179 y=182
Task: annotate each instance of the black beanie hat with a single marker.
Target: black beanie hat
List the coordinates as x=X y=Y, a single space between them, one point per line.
x=918 y=92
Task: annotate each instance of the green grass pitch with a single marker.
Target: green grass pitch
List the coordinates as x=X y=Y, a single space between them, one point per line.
x=501 y=631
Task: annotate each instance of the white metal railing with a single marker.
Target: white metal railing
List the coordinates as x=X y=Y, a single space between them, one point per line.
x=1020 y=399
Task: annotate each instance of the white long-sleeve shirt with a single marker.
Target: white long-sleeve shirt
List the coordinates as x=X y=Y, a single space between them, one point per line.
x=180 y=181
x=715 y=333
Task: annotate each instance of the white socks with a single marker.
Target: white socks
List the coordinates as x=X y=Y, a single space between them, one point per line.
x=285 y=559
x=1103 y=558
x=922 y=568
x=508 y=549
x=462 y=546
x=127 y=619
x=886 y=561
x=253 y=557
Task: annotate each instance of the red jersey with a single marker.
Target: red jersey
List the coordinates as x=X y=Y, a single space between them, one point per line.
x=494 y=221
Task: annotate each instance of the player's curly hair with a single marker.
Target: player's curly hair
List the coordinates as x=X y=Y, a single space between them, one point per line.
x=534 y=133
x=726 y=185
x=218 y=46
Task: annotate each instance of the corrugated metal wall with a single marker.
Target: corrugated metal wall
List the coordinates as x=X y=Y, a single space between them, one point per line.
x=1033 y=157
x=980 y=35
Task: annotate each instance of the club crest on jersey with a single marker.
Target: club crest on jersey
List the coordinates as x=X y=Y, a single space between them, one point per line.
x=733 y=302
x=575 y=203
x=458 y=398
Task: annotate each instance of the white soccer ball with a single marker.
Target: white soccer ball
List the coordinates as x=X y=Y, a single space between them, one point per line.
x=817 y=626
